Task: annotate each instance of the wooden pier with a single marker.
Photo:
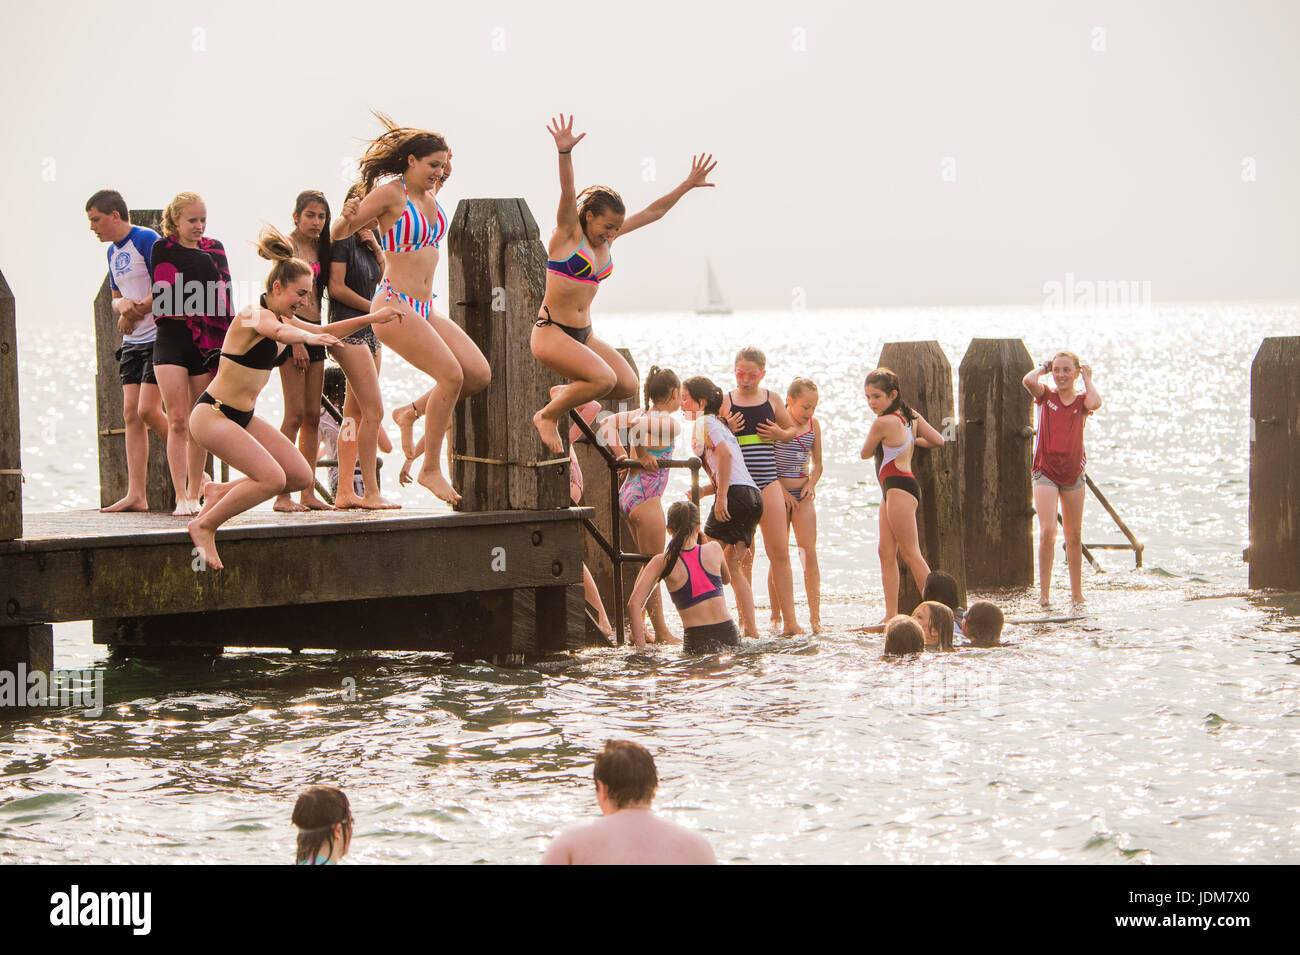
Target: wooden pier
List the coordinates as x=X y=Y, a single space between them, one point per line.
x=499 y=580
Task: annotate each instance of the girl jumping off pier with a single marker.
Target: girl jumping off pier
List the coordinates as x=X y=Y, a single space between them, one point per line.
x=414 y=164
x=579 y=259
x=223 y=421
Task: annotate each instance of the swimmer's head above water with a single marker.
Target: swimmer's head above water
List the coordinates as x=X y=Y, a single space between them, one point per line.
x=625 y=777
x=324 y=821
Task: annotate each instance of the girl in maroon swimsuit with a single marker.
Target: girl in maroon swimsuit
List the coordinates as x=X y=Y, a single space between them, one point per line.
x=1059 y=461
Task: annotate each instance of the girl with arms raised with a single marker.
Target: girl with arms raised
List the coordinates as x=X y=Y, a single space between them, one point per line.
x=579 y=259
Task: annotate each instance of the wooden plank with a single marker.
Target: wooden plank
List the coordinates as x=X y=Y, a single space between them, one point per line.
x=11 y=479
x=996 y=452
x=90 y=529
x=158 y=574
x=469 y=623
x=1274 y=508
x=926 y=378
x=110 y=423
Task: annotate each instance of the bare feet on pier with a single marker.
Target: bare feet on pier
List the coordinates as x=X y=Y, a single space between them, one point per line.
x=310 y=502
x=128 y=503
x=287 y=505
x=440 y=486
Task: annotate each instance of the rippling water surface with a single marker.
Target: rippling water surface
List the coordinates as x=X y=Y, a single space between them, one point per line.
x=1160 y=728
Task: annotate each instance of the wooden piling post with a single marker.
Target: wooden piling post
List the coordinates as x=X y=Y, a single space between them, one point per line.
x=926 y=378
x=1274 y=510
x=110 y=424
x=497 y=280
x=11 y=468
x=996 y=449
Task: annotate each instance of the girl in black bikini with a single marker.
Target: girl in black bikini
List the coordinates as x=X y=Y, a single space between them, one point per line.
x=579 y=259
x=223 y=421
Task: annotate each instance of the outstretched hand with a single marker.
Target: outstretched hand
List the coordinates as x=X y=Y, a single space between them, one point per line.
x=701 y=166
x=563 y=133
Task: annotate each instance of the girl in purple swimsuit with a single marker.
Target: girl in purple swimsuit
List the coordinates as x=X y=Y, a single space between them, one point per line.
x=798 y=469
x=651 y=432
x=579 y=259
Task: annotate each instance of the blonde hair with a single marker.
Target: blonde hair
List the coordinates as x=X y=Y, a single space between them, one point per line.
x=799 y=386
x=275 y=246
x=173 y=211
x=1070 y=355
x=751 y=353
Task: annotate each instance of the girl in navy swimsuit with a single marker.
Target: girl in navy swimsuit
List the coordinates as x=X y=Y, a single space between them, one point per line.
x=579 y=259
x=302 y=378
x=896 y=431
x=223 y=421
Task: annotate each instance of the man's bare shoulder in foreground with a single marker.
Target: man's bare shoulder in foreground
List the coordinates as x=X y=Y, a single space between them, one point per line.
x=632 y=836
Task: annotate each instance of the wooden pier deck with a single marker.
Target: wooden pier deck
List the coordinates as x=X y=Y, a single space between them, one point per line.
x=503 y=585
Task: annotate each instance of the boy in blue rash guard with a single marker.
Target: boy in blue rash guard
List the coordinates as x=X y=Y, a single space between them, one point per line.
x=128 y=278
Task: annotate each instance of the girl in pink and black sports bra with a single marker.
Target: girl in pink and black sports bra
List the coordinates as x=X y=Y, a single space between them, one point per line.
x=896 y=432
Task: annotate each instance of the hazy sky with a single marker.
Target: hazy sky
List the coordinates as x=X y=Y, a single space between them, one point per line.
x=869 y=153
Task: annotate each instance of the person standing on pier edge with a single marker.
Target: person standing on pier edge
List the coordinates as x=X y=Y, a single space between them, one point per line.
x=356 y=264
x=416 y=163
x=192 y=308
x=579 y=258
x=894 y=435
x=302 y=377
x=629 y=833
x=223 y=420
x=737 y=502
x=1059 y=463
x=759 y=420
x=128 y=277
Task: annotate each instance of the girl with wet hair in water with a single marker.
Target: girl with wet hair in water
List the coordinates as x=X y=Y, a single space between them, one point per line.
x=325 y=823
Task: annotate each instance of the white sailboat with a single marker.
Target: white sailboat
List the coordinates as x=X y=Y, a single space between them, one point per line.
x=716 y=304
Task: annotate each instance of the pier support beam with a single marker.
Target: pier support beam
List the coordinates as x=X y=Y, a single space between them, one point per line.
x=110 y=424
x=1274 y=510
x=11 y=468
x=926 y=377
x=23 y=651
x=497 y=281
x=997 y=452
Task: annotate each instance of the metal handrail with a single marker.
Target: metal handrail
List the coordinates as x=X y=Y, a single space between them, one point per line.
x=614 y=548
x=1133 y=544
x=337 y=415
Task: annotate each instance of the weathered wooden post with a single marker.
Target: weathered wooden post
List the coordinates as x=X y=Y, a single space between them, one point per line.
x=926 y=377
x=596 y=481
x=497 y=280
x=11 y=468
x=111 y=425
x=1274 y=510
x=997 y=451
x=31 y=645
